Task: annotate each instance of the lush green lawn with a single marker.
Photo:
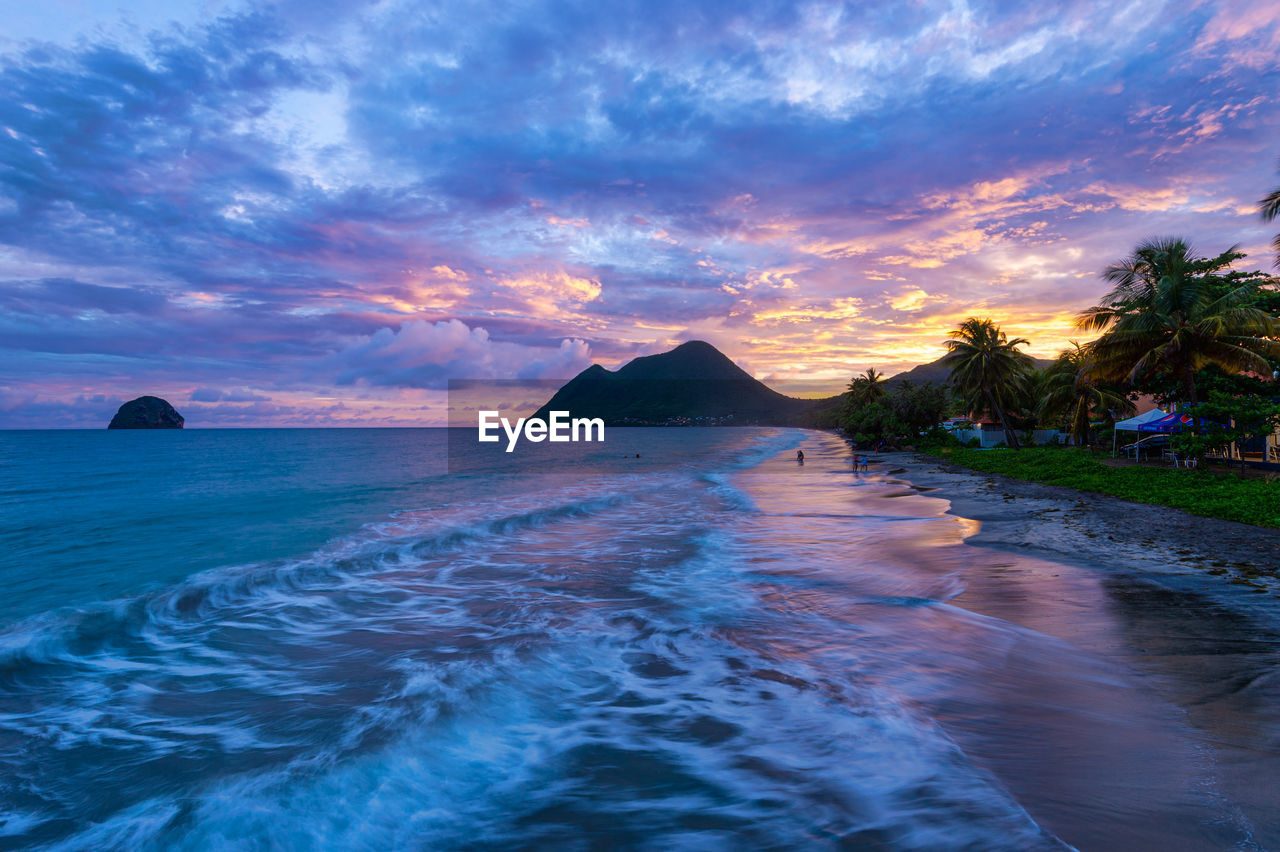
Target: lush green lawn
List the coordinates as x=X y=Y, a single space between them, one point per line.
x=1213 y=495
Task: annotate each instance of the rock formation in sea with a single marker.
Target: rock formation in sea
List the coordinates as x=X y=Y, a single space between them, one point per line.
x=147 y=412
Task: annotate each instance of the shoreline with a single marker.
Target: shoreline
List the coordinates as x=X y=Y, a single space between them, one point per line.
x=1233 y=564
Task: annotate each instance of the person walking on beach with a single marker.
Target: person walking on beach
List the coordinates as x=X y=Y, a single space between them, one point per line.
x=800 y=456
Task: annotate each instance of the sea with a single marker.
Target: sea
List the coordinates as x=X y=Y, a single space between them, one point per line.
x=378 y=639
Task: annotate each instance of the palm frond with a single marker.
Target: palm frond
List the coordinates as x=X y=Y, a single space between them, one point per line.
x=1270 y=205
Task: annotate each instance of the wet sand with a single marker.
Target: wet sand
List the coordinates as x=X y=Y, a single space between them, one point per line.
x=1236 y=565
x=1189 y=606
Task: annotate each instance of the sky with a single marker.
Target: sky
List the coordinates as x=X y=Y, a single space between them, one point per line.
x=316 y=213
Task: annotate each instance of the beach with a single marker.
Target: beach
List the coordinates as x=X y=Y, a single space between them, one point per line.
x=697 y=641
x=1237 y=565
x=431 y=426
x=1188 y=606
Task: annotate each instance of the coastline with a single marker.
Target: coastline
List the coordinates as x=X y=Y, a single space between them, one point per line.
x=1236 y=565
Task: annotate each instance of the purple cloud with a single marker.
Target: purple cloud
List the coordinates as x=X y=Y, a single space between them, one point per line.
x=427 y=355
x=280 y=206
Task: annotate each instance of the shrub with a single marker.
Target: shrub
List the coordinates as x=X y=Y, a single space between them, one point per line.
x=1200 y=492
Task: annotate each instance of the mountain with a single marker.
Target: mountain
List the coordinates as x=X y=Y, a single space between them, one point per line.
x=693 y=383
x=938 y=374
x=147 y=412
x=921 y=373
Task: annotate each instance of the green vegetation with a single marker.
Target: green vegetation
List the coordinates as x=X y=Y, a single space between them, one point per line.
x=1200 y=492
x=1227 y=418
x=1173 y=314
x=867 y=388
x=909 y=409
x=1190 y=331
x=1193 y=332
x=1071 y=393
x=987 y=369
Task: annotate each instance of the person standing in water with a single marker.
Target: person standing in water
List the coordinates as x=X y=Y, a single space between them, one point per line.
x=800 y=456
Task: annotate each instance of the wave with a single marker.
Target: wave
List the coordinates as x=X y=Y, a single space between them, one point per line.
x=642 y=732
x=617 y=658
x=409 y=537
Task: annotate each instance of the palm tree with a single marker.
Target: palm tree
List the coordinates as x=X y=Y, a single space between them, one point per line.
x=987 y=369
x=1270 y=207
x=1172 y=313
x=1022 y=403
x=867 y=388
x=1072 y=391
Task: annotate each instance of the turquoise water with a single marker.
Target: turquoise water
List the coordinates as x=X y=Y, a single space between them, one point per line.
x=321 y=639
x=95 y=515
x=88 y=516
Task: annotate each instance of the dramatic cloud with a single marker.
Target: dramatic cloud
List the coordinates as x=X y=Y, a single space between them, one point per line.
x=424 y=355
x=215 y=395
x=320 y=213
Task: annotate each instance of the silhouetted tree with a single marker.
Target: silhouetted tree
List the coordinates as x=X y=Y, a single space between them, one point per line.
x=1072 y=392
x=987 y=369
x=1173 y=313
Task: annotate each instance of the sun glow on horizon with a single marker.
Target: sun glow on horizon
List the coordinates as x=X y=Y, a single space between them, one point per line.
x=342 y=211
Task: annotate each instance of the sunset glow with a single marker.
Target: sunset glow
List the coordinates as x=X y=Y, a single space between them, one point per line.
x=318 y=214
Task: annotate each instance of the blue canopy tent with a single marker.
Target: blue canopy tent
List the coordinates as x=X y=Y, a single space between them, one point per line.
x=1176 y=422
x=1171 y=424
x=1132 y=424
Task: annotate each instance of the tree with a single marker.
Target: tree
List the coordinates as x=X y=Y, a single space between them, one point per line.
x=987 y=369
x=1228 y=418
x=1270 y=208
x=1022 y=403
x=1072 y=393
x=867 y=388
x=868 y=424
x=1172 y=313
x=908 y=411
x=918 y=408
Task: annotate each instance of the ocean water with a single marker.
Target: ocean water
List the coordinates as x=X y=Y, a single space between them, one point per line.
x=315 y=639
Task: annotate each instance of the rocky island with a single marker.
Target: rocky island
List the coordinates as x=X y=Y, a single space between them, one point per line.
x=147 y=412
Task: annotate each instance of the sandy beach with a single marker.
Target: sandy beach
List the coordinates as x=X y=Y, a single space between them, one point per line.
x=1237 y=565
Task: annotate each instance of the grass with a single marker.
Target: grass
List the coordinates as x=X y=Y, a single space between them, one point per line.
x=1200 y=492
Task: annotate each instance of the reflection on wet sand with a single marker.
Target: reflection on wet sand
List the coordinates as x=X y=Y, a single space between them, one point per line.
x=1121 y=715
x=735 y=652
